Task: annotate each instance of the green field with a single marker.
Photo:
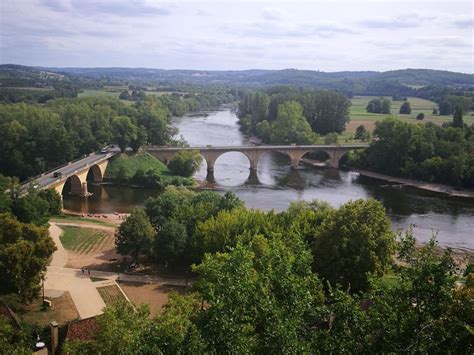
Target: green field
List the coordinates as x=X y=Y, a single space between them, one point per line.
x=83 y=240
x=111 y=294
x=359 y=115
x=131 y=163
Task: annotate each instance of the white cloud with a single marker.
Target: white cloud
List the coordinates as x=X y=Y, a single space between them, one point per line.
x=330 y=36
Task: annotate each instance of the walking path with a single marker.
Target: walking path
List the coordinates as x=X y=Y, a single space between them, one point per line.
x=83 y=291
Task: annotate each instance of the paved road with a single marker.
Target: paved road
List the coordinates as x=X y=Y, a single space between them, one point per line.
x=46 y=180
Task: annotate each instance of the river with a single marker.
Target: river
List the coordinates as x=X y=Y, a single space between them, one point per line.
x=276 y=185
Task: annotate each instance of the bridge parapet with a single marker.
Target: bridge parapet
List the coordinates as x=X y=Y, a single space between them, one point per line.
x=253 y=153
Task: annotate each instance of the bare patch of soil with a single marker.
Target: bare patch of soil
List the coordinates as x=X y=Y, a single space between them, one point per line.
x=155 y=295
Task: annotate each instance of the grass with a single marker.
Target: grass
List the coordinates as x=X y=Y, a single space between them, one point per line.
x=359 y=115
x=131 y=163
x=83 y=240
x=75 y=219
x=390 y=279
x=111 y=294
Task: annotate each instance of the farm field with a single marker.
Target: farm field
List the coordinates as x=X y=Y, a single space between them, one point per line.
x=359 y=115
x=90 y=248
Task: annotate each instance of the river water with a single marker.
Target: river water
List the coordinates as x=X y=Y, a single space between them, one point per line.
x=275 y=185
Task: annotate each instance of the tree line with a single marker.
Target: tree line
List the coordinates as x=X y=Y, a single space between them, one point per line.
x=35 y=138
x=421 y=151
x=286 y=115
x=309 y=279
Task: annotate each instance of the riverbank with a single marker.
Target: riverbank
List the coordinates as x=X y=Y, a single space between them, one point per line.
x=427 y=186
x=402 y=182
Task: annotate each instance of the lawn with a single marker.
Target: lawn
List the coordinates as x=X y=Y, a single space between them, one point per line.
x=83 y=240
x=133 y=162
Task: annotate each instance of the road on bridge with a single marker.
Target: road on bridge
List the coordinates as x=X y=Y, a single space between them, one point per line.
x=47 y=179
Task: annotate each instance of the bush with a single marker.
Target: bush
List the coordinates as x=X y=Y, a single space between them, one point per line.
x=405 y=109
x=420 y=116
x=185 y=163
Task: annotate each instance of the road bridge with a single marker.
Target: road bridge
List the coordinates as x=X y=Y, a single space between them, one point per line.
x=76 y=174
x=294 y=153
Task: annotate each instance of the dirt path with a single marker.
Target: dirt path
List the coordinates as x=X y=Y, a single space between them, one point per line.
x=84 y=225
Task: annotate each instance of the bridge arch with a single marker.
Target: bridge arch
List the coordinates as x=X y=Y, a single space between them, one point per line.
x=73 y=185
x=94 y=174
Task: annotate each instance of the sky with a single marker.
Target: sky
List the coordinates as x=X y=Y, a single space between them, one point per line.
x=234 y=35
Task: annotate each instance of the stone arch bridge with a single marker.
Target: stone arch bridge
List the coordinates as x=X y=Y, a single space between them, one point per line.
x=74 y=174
x=294 y=152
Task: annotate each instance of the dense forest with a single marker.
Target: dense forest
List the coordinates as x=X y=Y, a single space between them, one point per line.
x=34 y=138
x=286 y=115
x=421 y=151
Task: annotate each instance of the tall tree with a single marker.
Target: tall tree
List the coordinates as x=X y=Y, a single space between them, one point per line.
x=291 y=126
x=24 y=253
x=354 y=240
x=134 y=236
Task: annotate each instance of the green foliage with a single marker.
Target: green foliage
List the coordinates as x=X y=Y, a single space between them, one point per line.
x=353 y=241
x=457 y=117
x=405 y=109
x=379 y=106
x=290 y=126
x=420 y=116
x=133 y=237
x=12 y=340
x=325 y=111
x=31 y=208
x=445 y=108
x=79 y=126
x=54 y=200
x=426 y=152
x=361 y=132
x=273 y=295
x=185 y=163
x=178 y=208
x=331 y=138
x=24 y=253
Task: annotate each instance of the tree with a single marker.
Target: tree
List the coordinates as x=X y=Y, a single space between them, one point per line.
x=405 y=109
x=445 y=108
x=54 y=200
x=170 y=242
x=24 y=253
x=420 y=116
x=124 y=132
x=125 y=95
x=290 y=126
x=31 y=208
x=457 y=117
x=273 y=296
x=361 y=132
x=134 y=236
x=331 y=138
x=354 y=240
x=435 y=111
x=385 y=106
x=185 y=163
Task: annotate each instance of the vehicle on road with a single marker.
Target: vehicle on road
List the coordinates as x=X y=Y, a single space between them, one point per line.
x=104 y=150
x=57 y=174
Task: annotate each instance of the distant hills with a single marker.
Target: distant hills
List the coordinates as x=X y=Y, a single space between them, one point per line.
x=276 y=77
x=403 y=81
